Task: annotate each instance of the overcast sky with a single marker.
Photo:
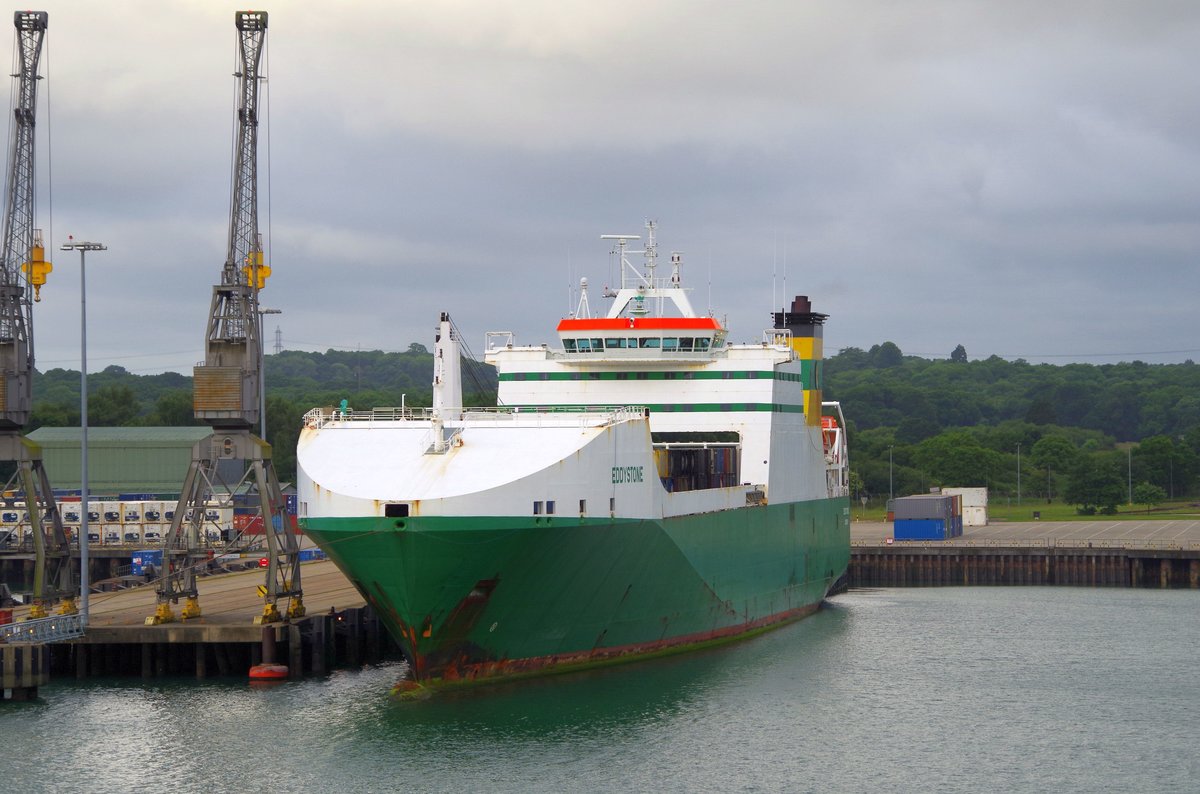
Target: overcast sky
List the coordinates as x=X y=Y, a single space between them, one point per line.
x=1021 y=178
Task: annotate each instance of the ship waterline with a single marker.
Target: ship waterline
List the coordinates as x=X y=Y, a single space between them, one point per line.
x=479 y=596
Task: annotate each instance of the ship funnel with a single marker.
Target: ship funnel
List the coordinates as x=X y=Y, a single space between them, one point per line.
x=807 y=331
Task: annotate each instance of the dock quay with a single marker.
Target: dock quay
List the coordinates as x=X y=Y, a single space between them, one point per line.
x=1160 y=554
x=339 y=629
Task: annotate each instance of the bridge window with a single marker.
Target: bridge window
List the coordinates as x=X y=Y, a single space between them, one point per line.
x=650 y=342
x=569 y=345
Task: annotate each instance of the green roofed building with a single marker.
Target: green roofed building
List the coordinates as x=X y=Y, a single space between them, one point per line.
x=120 y=459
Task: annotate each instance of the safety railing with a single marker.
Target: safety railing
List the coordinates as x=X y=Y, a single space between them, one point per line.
x=51 y=629
x=1034 y=543
x=581 y=414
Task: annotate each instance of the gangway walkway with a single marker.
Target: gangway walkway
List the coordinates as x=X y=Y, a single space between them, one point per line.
x=52 y=629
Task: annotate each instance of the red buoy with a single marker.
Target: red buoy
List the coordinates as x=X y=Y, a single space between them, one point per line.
x=268 y=672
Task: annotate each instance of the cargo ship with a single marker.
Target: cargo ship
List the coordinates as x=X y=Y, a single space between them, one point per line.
x=646 y=487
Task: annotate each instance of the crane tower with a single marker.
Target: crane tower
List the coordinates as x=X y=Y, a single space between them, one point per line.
x=227 y=386
x=24 y=265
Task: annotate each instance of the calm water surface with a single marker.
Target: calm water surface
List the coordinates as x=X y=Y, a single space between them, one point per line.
x=953 y=689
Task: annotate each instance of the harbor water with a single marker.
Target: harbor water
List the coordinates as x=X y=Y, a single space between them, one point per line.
x=949 y=690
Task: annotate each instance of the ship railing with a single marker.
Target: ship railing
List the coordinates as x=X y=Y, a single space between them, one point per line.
x=1035 y=543
x=51 y=629
x=777 y=337
x=586 y=414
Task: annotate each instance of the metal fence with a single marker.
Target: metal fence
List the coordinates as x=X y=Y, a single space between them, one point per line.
x=52 y=629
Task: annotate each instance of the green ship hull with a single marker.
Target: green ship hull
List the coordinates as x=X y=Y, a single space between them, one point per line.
x=474 y=598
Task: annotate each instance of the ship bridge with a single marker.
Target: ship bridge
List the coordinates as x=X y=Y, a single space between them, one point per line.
x=586 y=340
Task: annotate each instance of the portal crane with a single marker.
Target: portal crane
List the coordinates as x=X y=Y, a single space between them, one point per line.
x=227 y=387
x=24 y=265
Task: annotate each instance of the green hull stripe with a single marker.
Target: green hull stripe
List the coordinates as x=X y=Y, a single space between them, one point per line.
x=802 y=377
x=779 y=408
x=464 y=595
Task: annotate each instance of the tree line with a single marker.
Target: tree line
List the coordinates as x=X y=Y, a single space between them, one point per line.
x=296 y=383
x=1081 y=433
x=1089 y=435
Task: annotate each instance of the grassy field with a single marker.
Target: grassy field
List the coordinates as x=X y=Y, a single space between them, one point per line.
x=1008 y=510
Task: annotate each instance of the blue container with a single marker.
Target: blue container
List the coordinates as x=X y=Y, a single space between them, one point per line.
x=146 y=557
x=920 y=529
x=308 y=555
x=136 y=497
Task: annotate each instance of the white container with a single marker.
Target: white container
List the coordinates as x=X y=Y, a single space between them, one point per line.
x=131 y=512
x=152 y=512
x=111 y=534
x=131 y=534
x=110 y=512
x=974 y=505
x=152 y=534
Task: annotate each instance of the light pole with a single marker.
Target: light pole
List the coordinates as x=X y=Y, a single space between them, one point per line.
x=1018 y=474
x=84 y=584
x=262 y=373
x=891 y=495
x=1129 y=470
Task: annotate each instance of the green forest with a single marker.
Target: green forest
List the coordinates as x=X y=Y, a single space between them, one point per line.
x=1093 y=436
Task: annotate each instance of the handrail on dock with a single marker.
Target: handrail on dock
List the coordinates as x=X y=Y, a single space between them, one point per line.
x=52 y=629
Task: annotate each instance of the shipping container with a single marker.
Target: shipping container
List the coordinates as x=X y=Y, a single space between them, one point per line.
x=111 y=534
x=152 y=512
x=921 y=529
x=152 y=534
x=110 y=512
x=309 y=555
x=147 y=561
x=131 y=512
x=920 y=506
x=132 y=534
x=974 y=505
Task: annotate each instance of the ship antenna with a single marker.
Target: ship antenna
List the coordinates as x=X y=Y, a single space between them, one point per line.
x=583 y=311
x=651 y=255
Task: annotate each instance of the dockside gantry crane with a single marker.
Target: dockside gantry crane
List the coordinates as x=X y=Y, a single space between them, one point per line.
x=227 y=387
x=25 y=266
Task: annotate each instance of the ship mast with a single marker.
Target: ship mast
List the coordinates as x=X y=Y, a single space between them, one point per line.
x=24 y=265
x=638 y=287
x=228 y=385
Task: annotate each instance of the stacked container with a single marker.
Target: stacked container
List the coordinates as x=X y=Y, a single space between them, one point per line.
x=927 y=517
x=974 y=505
x=697 y=468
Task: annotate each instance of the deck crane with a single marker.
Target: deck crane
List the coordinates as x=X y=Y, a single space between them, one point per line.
x=24 y=265
x=227 y=386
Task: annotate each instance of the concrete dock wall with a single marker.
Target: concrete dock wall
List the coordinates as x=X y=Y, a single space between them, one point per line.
x=903 y=565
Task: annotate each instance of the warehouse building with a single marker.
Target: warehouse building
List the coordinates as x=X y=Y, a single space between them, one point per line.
x=120 y=459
